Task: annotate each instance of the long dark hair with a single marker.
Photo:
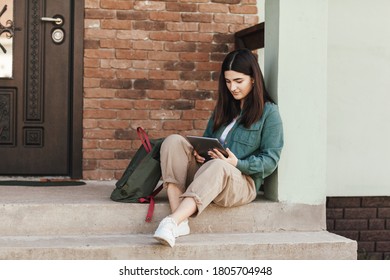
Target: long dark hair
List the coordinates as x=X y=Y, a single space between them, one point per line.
x=227 y=108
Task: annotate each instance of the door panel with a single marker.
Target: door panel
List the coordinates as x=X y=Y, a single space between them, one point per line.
x=36 y=129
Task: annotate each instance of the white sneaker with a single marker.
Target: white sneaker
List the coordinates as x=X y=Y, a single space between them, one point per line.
x=183 y=229
x=166 y=232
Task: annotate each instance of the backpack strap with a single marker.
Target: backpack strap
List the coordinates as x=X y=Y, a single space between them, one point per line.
x=150 y=199
x=144 y=139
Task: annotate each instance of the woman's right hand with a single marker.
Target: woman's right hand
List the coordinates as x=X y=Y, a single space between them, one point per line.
x=198 y=158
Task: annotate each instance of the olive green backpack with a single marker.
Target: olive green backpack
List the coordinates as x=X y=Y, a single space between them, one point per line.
x=138 y=183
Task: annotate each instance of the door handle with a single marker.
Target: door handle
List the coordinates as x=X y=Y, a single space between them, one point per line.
x=56 y=20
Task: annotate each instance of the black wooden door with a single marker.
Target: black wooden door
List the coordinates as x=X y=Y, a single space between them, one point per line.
x=37 y=119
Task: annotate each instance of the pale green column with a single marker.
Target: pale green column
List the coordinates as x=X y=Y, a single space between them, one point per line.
x=295 y=72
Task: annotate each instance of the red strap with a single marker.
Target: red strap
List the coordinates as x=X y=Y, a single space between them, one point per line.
x=150 y=200
x=144 y=139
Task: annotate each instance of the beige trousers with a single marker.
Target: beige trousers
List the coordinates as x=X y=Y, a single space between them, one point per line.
x=214 y=181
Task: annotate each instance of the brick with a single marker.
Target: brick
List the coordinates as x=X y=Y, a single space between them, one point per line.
x=165 y=16
x=132 y=74
x=109 y=124
x=343 y=202
x=334 y=213
x=166 y=94
x=359 y=213
x=115 y=44
x=99 y=33
x=124 y=155
x=165 y=115
x=198 y=75
x=111 y=144
x=375 y=235
x=205 y=104
x=99 y=53
x=223 y=38
x=131 y=15
x=250 y=9
x=214 y=8
x=195 y=115
x=329 y=224
x=383 y=246
x=116 y=83
x=98 y=14
x=197 y=37
x=149 y=25
x=366 y=246
x=148 y=84
x=164 y=36
x=131 y=54
x=163 y=55
x=90 y=144
x=388 y=224
x=178 y=125
x=149 y=5
x=179 y=65
x=116 y=5
x=192 y=17
x=226 y=1
x=354 y=224
x=213 y=27
x=147 y=104
x=91 y=44
x=379 y=201
x=376 y=224
x=384 y=212
x=195 y=95
x=228 y=18
x=132 y=34
x=181 y=7
x=98 y=134
x=177 y=105
x=114 y=164
x=148 y=45
x=182 y=26
x=98 y=154
x=98 y=93
x=126 y=134
x=131 y=94
x=133 y=114
x=89 y=164
x=99 y=114
x=180 y=47
x=200 y=125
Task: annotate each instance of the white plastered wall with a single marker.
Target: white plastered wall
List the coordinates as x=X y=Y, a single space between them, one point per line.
x=358 y=156
x=295 y=66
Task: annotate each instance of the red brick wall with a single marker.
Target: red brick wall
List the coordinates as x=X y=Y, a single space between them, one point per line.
x=364 y=219
x=152 y=64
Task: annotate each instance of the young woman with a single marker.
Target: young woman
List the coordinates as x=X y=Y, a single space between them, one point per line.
x=248 y=124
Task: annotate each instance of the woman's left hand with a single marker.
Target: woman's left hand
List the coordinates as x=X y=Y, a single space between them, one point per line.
x=232 y=159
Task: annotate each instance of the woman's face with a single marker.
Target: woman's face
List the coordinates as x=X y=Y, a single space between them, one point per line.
x=238 y=84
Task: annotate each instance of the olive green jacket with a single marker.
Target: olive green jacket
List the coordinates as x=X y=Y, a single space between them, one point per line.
x=257 y=148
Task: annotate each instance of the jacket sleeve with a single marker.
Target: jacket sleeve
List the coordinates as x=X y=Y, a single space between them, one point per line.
x=265 y=160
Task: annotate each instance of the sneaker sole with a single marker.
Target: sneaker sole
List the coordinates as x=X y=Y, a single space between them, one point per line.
x=163 y=241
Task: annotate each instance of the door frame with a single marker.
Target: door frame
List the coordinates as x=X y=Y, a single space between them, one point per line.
x=76 y=122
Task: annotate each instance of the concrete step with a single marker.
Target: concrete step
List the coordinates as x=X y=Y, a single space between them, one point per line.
x=319 y=245
x=88 y=210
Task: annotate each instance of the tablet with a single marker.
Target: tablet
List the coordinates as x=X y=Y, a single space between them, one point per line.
x=204 y=144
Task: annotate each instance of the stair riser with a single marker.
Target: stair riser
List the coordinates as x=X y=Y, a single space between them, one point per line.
x=124 y=218
x=317 y=251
